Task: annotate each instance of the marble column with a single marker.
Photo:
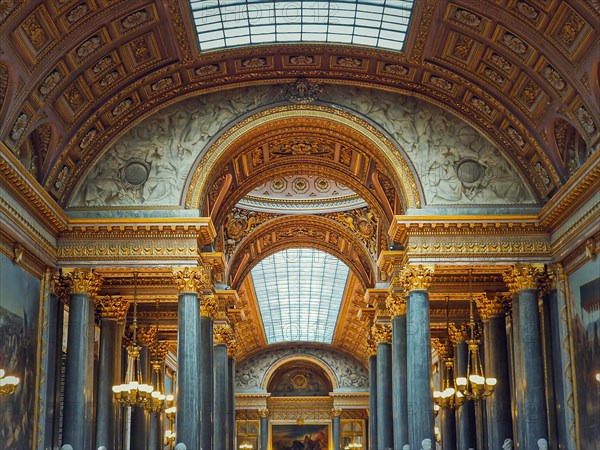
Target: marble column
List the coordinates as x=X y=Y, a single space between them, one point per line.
x=465 y=416
x=222 y=333
x=264 y=429
x=418 y=351
x=207 y=395
x=58 y=298
x=372 y=396
x=112 y=311
x=140 y=416
x=396 y=306
x=230 y=430
x=523 y=282
x=498 y=405
x=336 y=429
x=382 y=333
x=189 y=281
x=78 y=410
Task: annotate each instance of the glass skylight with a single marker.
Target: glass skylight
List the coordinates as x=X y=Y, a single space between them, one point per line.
x=299 y=293
x=232 y=23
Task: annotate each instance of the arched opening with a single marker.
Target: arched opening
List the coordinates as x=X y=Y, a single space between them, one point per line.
x=299 y=378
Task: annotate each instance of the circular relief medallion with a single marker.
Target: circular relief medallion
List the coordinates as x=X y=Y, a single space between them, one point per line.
x=135 y=173
x=301 y=185
x=299 y=381
x=469 y=171
x=278 y=185
x=365 y=227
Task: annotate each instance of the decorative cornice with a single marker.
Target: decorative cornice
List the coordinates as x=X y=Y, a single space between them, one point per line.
x=416 y=278
x=192 y=279
x=112 y=307
x=396 y=305
x=83 y=281
x=523 y=276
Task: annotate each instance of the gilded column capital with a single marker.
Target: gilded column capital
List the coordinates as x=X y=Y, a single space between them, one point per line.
x=523 y=276
x=192 y=279
x=443 y=348
x=457 y=333
x=159 y=350
x=83 y=281
x=336 y=412
x=416 y=278
x=61 y=287
x=222 y=334
x=147 y=335
x=232 y=346
x=496 y=305
x=382 y=332
x=263 y=412
x=112 y=307
x=208 y=306
x=396 y=305
x=371 y=346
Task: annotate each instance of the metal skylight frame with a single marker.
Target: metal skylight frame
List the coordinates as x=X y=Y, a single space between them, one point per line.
x=299 y=293
x=234 y=23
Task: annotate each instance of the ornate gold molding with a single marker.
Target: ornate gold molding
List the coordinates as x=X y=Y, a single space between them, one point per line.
x=523 y=276
x=83 y=281
x=382 y=332
x=192 y=279
x=336 y=412
x=416 y=278
x=396 y=305
x=112 y=307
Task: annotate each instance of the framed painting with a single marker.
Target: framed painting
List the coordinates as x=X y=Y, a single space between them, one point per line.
x=584 y=294
x=300 y=437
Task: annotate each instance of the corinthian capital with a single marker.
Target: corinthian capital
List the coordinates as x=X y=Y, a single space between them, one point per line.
x=416 y=278
x=208 y=306
x=396 y=305
x=112 y=307
x=83 y=281
x=222 y=334
x=192 y=279
x=382 y=332
x=523 y=276
x=61 y=287
x=496 y=305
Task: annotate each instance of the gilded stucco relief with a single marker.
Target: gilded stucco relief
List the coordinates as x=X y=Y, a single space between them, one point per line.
x=148 y=165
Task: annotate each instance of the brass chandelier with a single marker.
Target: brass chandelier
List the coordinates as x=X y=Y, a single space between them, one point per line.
x=449 y=397
x=133 y=392
x=475 y=385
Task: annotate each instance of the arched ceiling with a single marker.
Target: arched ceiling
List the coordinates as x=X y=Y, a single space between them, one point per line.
x=91 y=69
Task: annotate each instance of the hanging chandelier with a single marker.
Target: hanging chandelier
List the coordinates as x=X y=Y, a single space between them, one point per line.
x=159 y=401
x=475 y=385
x=449 y=397
x=8 y=384
x=133 y=392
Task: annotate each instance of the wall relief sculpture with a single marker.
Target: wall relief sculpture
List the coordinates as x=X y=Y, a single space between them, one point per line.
x=349 y=373
x=456 y=164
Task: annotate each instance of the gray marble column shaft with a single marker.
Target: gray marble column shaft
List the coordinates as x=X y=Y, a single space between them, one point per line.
x=418 y=351
x=264 y=433
x=385 y=427
x=448 y=417
x=109 y=372
x=373 y=402
x=221 y=385
x=55 y=333
x=498 y=407
x=465 y=417
x=207 y=395
x=337 y=432
x=230 y=430
x=399 y=381
x=139 y=416
x=155 y=420
x=188 y=371
x=78 y=409
x=532 y=410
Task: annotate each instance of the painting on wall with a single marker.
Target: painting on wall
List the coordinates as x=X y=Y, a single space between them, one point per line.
x=19 y=316
x=584 y=286
x=300 y=437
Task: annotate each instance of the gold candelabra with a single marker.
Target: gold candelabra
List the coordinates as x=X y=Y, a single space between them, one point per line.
x=8 y=384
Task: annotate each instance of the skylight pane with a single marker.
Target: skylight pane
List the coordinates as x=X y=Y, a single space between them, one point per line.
x=339 y=21
x=299 y=294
